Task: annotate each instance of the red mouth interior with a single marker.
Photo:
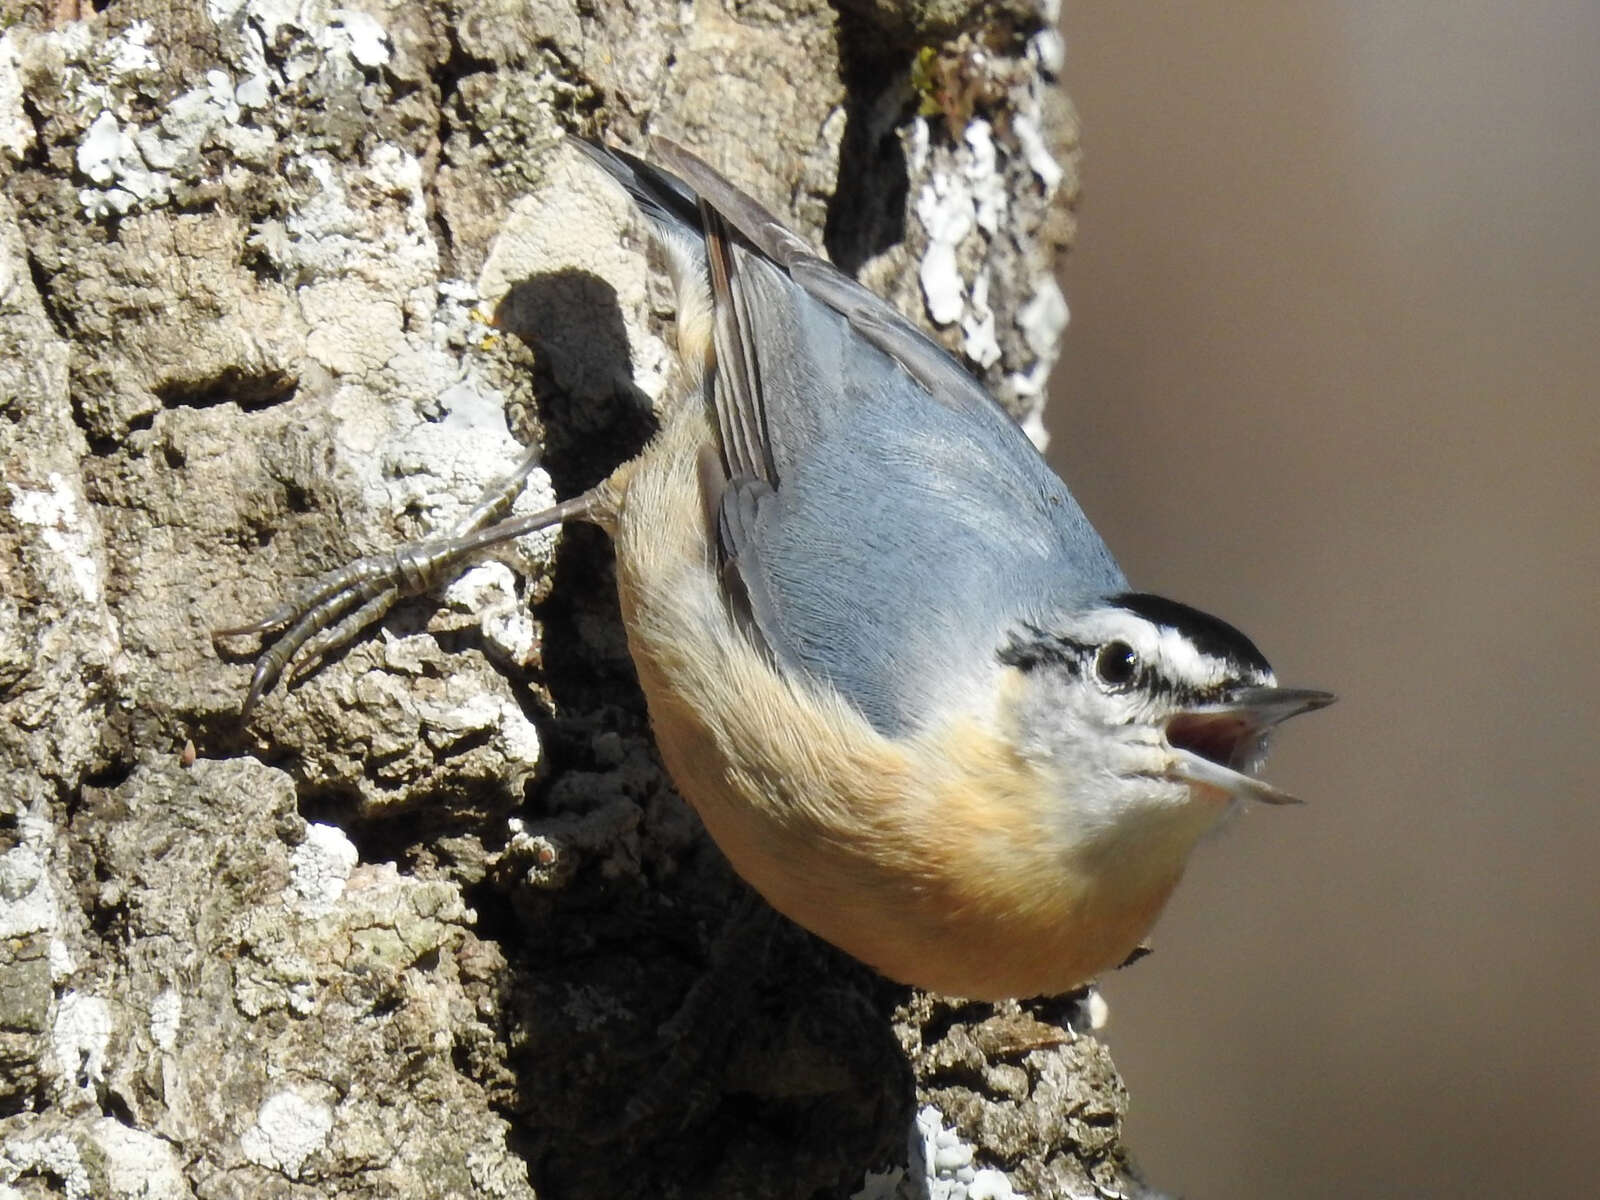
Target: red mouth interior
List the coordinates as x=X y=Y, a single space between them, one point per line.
x=1222 y=738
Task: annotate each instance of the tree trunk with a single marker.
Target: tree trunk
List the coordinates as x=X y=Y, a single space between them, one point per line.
x=281 y=284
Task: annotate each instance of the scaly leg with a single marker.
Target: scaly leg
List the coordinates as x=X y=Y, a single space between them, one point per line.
x=332 y=611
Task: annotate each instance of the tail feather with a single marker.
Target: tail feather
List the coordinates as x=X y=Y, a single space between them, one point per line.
x=672 y=211
x=659 y=192
x=662 y=197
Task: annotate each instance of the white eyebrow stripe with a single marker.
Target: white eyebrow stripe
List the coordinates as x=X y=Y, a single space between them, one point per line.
x=1172 y=655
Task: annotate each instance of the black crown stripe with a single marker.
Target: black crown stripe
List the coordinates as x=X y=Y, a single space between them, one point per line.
x=1212 y=636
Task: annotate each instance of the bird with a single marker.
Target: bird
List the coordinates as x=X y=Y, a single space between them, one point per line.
x=886 y=656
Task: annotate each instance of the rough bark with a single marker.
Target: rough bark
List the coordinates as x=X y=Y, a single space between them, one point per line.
x=285 y=283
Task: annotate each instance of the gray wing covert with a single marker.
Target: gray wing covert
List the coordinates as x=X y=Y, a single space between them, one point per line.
x=883 y=522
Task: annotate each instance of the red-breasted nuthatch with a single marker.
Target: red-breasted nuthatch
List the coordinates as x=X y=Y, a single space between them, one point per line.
x=887 y=658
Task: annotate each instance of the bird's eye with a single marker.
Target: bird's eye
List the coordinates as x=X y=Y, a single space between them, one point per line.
x=1116 y=664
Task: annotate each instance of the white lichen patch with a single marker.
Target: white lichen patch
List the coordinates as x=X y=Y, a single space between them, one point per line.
x=509 y=631
x=1047 y=51
x=326 y=234
x=288 y=1129
x=945 y=208
x=319 y=869
x=27 y=900
x=136 y=1165
x=1030 y=384
x=1096 y=1011
x=129 y=51
x=981 y=165
x=135 y=166
x=139 y=166
x=59 y=513
x=166 y=1013
x=968 y=195
x=947 y=1164
x=1036 y=152
x=990 y=1184
x=108 y=156
x=78 y=1038
x=977 y=325
x=1033 y=426
x=984 y=197
x=355 y=327
x=445 y=726
x=1043 y=317
x=358 y=34
x=440 y=468
x=62 y=962
x=212 y=112
x=479 y=587
x=16 y=131
x=942 y=1166
x=30 y=909
x=55 y=1157
x=307 y=37
x=1041 y=321
x=222 y=12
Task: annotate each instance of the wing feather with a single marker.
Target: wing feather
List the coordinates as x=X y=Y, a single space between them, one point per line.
x=881 y=522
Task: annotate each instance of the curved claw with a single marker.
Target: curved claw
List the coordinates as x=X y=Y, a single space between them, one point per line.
x=277 y=618
x=262 y=682
x=369 y=586
x=339 y=605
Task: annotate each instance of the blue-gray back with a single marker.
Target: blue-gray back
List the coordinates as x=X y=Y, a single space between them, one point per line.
x=906 y=537
x=894 y=525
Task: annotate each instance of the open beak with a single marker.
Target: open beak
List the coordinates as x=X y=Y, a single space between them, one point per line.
x=1222 y=745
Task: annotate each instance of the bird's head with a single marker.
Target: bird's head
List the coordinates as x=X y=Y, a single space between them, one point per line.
x=1146 y=712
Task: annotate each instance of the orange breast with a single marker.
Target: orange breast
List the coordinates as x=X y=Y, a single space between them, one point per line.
x=937 y=862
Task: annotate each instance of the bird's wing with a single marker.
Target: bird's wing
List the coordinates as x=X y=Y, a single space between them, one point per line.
x=883 y=522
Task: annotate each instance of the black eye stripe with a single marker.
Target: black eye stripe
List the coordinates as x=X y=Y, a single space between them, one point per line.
x=1031 y=647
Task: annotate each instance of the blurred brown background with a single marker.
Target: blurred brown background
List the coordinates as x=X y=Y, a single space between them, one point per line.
x=1332 y=373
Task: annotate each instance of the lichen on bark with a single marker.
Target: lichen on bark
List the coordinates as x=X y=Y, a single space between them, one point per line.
x=281 y=284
